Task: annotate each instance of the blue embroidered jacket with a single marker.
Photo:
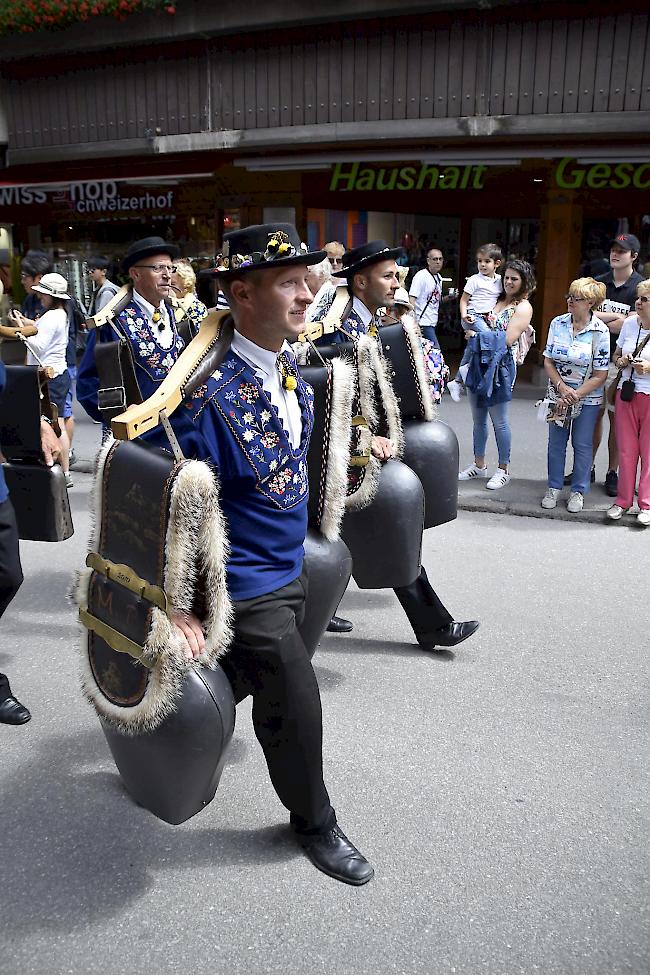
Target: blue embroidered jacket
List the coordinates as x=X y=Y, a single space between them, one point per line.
x=263 y=478
x=152 y=362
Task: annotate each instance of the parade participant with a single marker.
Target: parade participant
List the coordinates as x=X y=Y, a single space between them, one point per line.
x=11 y=576
x=426 y=291
x=621 y=282
x=372 y=282
x=252 y=421
x=146 y=323
x=187 y=301
x=512 y=314
x=103 y=289
x=47 y=345
x=576 y=359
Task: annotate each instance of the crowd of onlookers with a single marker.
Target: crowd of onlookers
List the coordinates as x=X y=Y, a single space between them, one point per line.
x=596 y=359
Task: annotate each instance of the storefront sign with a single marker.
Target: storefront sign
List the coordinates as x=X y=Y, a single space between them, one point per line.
x=354 y=176
x=89 y=197
x=570 y=175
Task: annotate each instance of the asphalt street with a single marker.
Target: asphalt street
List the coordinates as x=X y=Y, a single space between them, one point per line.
x=501 y=791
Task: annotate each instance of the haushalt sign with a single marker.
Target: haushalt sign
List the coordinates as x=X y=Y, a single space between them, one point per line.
x=568 y=174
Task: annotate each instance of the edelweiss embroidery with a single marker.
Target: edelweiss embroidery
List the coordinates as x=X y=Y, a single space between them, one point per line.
x=155 y=360
x=281 y=470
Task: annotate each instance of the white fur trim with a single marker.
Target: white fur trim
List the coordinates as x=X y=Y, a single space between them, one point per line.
x=196 y=551
x=413 y=337
x=338 y=455
x=376 y=391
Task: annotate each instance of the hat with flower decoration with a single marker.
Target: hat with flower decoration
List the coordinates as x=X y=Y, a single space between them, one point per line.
x=263 y=245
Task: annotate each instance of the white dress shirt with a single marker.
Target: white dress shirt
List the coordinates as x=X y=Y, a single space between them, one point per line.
x=264 y=363
x=163 y=336
x=364 y=313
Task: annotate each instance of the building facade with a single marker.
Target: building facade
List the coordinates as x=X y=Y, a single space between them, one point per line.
x=447 y=123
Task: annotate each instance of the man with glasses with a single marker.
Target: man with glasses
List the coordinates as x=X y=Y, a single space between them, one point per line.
x=426 y=291
x=146 y=322
x=104 y=289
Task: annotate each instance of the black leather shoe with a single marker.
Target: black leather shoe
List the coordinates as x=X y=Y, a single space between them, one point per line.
x=13 y=712
x=338 y=625
x=333 y=853
x=450 y=635
x=611 y=484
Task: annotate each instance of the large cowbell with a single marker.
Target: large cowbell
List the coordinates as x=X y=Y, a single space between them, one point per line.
x=430 y=446
x=327 y=557
x=38 y=493
x=385 y=537
x=158 y=541
x=431 y=450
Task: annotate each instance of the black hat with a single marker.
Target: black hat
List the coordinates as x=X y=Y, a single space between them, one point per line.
x=147 y=247
x=628 y=242
x=264 y=245
x=98 y=263
x=370 y=253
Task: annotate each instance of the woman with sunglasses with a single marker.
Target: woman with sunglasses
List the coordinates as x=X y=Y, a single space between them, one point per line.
x=576 y=359
x=632 y=415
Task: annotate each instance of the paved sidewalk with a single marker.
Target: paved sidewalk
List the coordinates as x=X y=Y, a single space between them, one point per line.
x=522 y=496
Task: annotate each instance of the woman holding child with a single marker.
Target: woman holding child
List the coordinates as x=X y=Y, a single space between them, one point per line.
x=494 y=347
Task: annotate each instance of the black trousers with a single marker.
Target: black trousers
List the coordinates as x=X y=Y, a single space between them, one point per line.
x=268 y=660
x=11 y=573
x=422 y=605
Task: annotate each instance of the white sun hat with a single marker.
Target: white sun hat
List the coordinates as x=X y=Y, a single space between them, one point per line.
x=53 y=284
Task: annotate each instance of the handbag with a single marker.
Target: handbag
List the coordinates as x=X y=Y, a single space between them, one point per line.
x=627 y=387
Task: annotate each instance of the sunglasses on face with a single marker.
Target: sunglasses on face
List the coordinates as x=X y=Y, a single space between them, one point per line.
x=574 y=298
x=643 y=299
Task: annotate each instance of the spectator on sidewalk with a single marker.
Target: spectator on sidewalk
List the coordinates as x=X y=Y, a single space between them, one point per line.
x=335 y=251
x=576 y=359
x=48 y=338
x=104 y=289
x=512 y=314
x=33 y=266
x=188 y=302
x=426 y=293
x=621 y=282
x=632 y=415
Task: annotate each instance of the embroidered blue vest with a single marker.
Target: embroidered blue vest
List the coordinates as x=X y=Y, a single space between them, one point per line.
x=152 y=362
x=264 y=485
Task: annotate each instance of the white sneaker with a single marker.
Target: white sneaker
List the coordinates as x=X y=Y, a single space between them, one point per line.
x=550 y=498
x=498 y=480
x=455 y=390
x=643 y=517
x=616 y=512
x=575 y=502
x=473 y=471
